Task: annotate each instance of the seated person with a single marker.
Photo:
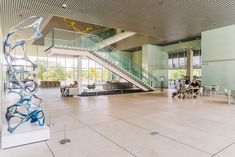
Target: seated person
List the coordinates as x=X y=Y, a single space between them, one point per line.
x=195 y=87
x=187 y=82
x=73 y=85
x=181 y=90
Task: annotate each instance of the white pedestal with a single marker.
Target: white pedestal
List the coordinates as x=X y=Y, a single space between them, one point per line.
x=24 y=134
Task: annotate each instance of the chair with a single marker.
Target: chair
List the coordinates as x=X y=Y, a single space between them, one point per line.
x=228 y=94
x=201 y=91
x=215 y=89
x=208 y=90
x=232 y=93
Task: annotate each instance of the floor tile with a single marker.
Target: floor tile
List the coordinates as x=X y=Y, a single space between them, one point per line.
x=228 y=152
x=196 y=138
x=33 y=150
x=86 y=143
x=142 y=144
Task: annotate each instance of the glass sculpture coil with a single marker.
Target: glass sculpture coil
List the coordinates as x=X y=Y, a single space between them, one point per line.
x=23 y=82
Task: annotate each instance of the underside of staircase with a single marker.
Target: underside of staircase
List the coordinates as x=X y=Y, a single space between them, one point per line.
x=57 y=50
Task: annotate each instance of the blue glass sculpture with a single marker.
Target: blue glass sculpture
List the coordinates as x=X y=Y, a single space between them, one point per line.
x=28 y=106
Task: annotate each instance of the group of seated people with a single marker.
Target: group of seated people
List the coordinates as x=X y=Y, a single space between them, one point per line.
x=184 y=87
x=65 y=90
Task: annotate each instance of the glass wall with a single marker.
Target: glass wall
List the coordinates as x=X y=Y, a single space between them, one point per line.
x=177 y=60
x=62 y=68
x=177 y=65
x=93 y=72
x=197 y=64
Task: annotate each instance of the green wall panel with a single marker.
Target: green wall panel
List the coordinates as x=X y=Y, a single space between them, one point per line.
x=155 y=61
x=218 y=57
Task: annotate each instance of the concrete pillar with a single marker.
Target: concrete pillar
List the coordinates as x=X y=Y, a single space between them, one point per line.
x=79 y=73
x=189 y=71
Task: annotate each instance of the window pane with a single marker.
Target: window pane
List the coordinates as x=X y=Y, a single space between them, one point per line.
x=75 y=74
x=92 y=75
x=98 y=65
x=42 y=68
x=51 y=74
x=175 y=63
x=69 y=76
x=91 y=63
x=85 y=63
x=106 y=75
x=99 y=76
x=61 y=61
x=33 y=58
x=60 y=73
x=51 y=61
x=75 y=61
x=85 y=75
x=69 y=61
x=182 y=62
x=197 y=73
x=170 y=63
x=176 y=74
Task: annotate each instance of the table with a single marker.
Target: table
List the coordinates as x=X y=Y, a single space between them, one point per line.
x=209 y=89
x=231 y=95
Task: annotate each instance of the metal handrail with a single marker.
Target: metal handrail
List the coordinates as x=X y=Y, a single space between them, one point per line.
x=112 y=48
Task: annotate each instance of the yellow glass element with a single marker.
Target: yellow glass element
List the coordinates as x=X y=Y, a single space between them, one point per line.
x=72 y=24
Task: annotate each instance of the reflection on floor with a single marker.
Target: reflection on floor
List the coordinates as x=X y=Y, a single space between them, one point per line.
x=141 y=124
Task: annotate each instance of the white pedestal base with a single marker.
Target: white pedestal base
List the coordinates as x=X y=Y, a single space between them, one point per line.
x=24 y=134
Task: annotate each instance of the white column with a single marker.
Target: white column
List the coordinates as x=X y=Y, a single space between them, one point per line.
x=190 y=64
x=79 y=73
x=1 y=65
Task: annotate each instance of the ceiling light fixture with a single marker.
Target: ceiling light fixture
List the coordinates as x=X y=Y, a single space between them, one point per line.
x=20 y=13
x=64 y=6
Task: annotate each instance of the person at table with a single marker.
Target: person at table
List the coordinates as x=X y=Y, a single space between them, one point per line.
x=181 y=90
x=195 y=87
x=187 y=83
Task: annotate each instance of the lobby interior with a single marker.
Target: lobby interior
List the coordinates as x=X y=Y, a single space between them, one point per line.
x=127 y=58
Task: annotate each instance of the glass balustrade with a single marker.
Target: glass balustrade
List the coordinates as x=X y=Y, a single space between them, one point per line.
x=106 y=33
x=91 y=42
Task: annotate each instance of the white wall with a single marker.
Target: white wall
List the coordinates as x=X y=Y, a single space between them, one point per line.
x=218 y=57
x=155 y=61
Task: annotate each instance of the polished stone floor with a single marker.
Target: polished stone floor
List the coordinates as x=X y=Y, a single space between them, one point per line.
x=141 y=124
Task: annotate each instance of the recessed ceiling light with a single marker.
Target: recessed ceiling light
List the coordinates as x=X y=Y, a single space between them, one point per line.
x=64 y=6
x=20 y=13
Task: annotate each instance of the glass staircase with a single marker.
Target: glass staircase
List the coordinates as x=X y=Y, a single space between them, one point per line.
x=108 y=54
